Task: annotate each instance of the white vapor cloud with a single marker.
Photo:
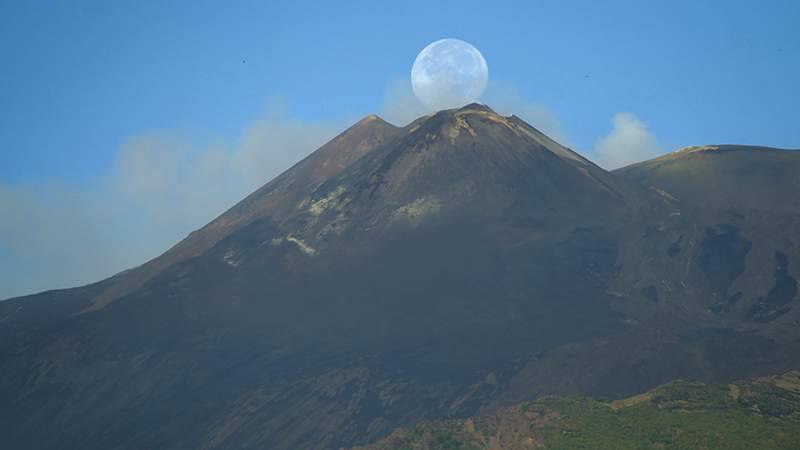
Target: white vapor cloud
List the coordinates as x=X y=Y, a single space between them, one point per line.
x=629 y=141
x=400 y=105
x=161 y=187
x=506 y=100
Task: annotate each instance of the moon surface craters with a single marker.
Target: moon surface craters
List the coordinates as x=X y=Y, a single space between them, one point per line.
x=449 y=73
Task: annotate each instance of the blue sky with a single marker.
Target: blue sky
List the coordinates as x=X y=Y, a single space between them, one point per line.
x=84 y=81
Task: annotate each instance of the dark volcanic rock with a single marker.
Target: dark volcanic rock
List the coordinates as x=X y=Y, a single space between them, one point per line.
x=442 y=269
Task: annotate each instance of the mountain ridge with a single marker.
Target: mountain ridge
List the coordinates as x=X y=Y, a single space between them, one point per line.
x=459 y=264
x=743 y=176
x=363 y=137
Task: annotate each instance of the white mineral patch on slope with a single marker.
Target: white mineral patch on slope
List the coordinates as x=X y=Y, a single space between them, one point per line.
x=697 y=148
x=319 y=206
x=305 y=248
x=461 y=124
x=418 y=209
x=230 y=258
x=662 y=193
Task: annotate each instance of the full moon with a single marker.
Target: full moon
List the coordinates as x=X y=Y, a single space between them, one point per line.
x=449 y=73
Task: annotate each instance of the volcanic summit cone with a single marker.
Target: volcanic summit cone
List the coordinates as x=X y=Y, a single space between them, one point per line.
x=459 y=263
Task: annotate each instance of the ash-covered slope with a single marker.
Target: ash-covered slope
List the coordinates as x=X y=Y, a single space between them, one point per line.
x=737 y=177
x=441 y=269
x=751 y=196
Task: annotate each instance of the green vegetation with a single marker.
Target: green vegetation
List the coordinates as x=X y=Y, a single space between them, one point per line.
x=759 y=414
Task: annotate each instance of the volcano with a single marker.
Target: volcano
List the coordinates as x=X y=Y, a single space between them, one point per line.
x=447 y=268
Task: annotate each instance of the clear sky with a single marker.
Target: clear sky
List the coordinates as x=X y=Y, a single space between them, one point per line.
x=85 y=84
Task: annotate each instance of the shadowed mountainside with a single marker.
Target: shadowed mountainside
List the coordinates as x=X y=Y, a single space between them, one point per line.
x=753 y=191
x=451 y=267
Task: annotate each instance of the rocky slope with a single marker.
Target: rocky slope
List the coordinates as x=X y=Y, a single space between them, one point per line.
x=737 y=177
x=451 y=267
x=752 y=192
